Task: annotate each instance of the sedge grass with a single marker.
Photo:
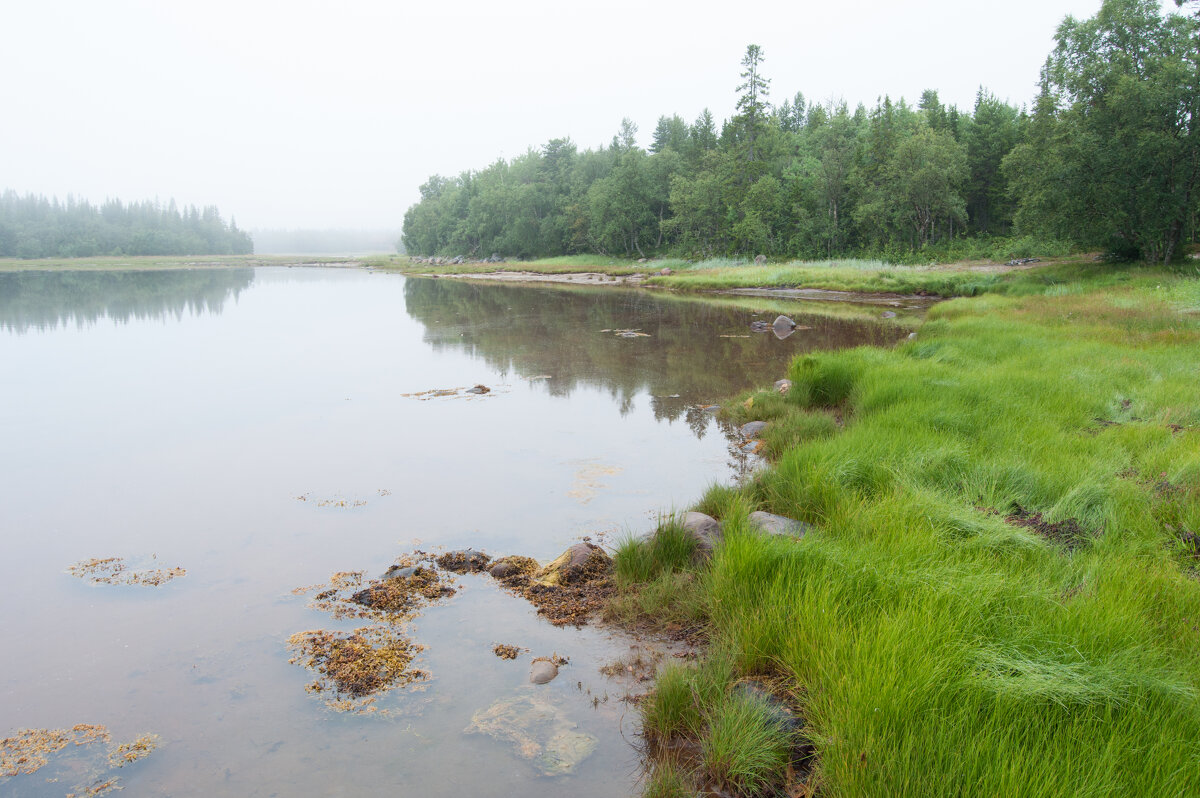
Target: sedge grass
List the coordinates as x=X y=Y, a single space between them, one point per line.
x=940 y=647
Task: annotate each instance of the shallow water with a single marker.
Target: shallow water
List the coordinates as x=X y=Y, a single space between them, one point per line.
x=176 y=419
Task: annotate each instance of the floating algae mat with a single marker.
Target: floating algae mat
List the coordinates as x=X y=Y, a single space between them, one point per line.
x=538 y=729
x=83 y=758
x=115 y=571
x=354 y=667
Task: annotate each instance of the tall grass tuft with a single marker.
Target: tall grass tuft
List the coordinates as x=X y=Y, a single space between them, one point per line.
x=747 y=748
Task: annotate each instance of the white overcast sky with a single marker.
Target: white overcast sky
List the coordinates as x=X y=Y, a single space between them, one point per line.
x=297 y=113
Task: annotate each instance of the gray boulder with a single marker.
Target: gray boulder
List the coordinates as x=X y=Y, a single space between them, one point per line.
x=705 y=529
x=772 y=524
x=580 y=563
x=752 y=429
x=542 y=671
x=759 y=260
x=783 y=326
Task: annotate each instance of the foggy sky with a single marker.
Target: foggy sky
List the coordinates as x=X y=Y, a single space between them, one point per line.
x=331 y=114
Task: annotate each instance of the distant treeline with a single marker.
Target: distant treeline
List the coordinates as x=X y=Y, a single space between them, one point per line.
x=1109 y=156
x=324 y=242
x=33 y=226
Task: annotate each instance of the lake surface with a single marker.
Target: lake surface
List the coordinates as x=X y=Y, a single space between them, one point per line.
x=265 y=428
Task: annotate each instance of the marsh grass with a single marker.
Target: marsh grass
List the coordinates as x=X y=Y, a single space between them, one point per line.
x=940 y=647
x=746 y=747
x=659 y=583
x=668 y=781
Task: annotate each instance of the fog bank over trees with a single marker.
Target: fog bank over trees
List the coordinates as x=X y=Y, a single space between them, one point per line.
x=276 y=241
x=34 y=226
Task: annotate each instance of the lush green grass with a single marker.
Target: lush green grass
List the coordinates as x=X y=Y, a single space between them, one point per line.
x=566 y=264
x=666 y=781
x=942 y=648
x=745 y=749
x=962 y=279
x=660 y=580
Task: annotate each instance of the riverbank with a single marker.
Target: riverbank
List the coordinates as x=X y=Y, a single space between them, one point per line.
x=967 y=278
x=999 y=592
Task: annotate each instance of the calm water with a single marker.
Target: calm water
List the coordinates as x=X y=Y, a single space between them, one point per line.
x=174 y=418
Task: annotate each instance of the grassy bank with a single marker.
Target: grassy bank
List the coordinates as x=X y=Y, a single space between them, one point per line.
x=967 y=278
x=1001 y=596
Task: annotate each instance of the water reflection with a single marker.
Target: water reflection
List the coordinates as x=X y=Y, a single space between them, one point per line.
x=45 y=300
x=692 y=352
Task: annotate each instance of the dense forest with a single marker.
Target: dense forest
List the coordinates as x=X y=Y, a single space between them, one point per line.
x=1108 y=156
x=33 y=226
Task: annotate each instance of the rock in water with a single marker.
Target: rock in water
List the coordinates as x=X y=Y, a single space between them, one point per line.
x=401 y=571
x=509 y=567
x=783 y=386
x=752 y=429
x=580 y=563
x=542 y=671
x=783 y=326
x=464 y=561
x=773 y=524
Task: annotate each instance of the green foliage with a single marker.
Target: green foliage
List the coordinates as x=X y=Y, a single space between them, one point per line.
x=666 y=781
x=1112 y=155
x=671 y=547
x=671 y=709
x=35 y=227
x=746 y=747
x=801 y=179
x=1109 y=157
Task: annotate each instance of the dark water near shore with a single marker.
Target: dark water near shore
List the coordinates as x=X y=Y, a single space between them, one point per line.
x=175 y=417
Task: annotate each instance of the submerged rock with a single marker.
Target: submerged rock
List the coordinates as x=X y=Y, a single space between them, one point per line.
x=580 y=563
x=752 y=429
x=759 y=326
x=538 y=730
x=479 y=389
x=772 y=524
x=464 y=561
